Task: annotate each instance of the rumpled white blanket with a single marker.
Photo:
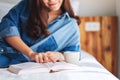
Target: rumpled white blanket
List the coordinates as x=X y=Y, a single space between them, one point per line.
x=91 y=69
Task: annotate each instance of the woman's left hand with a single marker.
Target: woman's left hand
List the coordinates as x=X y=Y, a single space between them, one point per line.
x=54 y=56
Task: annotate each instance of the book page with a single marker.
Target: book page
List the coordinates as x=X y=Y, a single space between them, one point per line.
x=59 y=66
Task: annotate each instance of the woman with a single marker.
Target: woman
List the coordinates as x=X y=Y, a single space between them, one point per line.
x=38 y=30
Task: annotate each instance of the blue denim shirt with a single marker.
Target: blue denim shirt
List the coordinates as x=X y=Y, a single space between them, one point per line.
x=12 y=24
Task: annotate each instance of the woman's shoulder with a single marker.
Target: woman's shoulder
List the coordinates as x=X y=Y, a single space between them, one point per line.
x=72 y=21
x=69 y=17
x=20 y=7
x=21 y=4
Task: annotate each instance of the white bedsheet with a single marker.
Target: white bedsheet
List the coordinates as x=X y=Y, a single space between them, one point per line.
x=91 y=69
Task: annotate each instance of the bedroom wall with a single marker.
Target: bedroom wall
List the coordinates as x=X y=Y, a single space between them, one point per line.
x=92 y=8
x=118 y=14
x=95 y=7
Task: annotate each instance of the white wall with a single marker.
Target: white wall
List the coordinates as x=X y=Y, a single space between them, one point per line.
x=118 y=14
x=95 y=7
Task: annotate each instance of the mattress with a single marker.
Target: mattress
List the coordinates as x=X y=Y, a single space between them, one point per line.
x=91 y=69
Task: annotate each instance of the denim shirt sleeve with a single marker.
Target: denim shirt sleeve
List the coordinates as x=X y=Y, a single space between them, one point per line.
x=10 y=22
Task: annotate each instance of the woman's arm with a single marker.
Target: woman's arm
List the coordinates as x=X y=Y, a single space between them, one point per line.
x=9 y=28
x=9 y=31
x=18 y=44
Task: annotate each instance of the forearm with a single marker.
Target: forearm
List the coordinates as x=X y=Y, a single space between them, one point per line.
x=17 y=43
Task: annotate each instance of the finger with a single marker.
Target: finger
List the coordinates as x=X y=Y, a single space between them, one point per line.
x=40 y=57
x=45 y=58
x=51 y=56
x=61 y=58
x=37 y=58
x=51 y=59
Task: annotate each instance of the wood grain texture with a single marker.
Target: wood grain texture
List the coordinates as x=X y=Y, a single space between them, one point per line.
x=102 y=44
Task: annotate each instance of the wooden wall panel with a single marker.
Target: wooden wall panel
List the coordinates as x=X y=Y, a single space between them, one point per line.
x=106 y=43
x=101 y=44
x=91 y=41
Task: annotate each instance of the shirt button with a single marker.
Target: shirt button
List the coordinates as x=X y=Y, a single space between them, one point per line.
x=2 y=50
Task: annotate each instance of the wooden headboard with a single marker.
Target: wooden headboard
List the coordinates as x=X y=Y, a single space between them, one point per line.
x=102 y=42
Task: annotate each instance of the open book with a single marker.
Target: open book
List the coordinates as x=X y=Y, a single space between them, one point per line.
x=32 y=67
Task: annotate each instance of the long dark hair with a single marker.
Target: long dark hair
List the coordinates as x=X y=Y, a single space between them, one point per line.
x=37 y=22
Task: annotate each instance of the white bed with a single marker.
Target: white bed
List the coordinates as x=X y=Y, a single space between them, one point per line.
x=91 y=68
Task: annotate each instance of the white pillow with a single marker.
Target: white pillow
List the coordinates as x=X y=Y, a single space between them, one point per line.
x=4 y=8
